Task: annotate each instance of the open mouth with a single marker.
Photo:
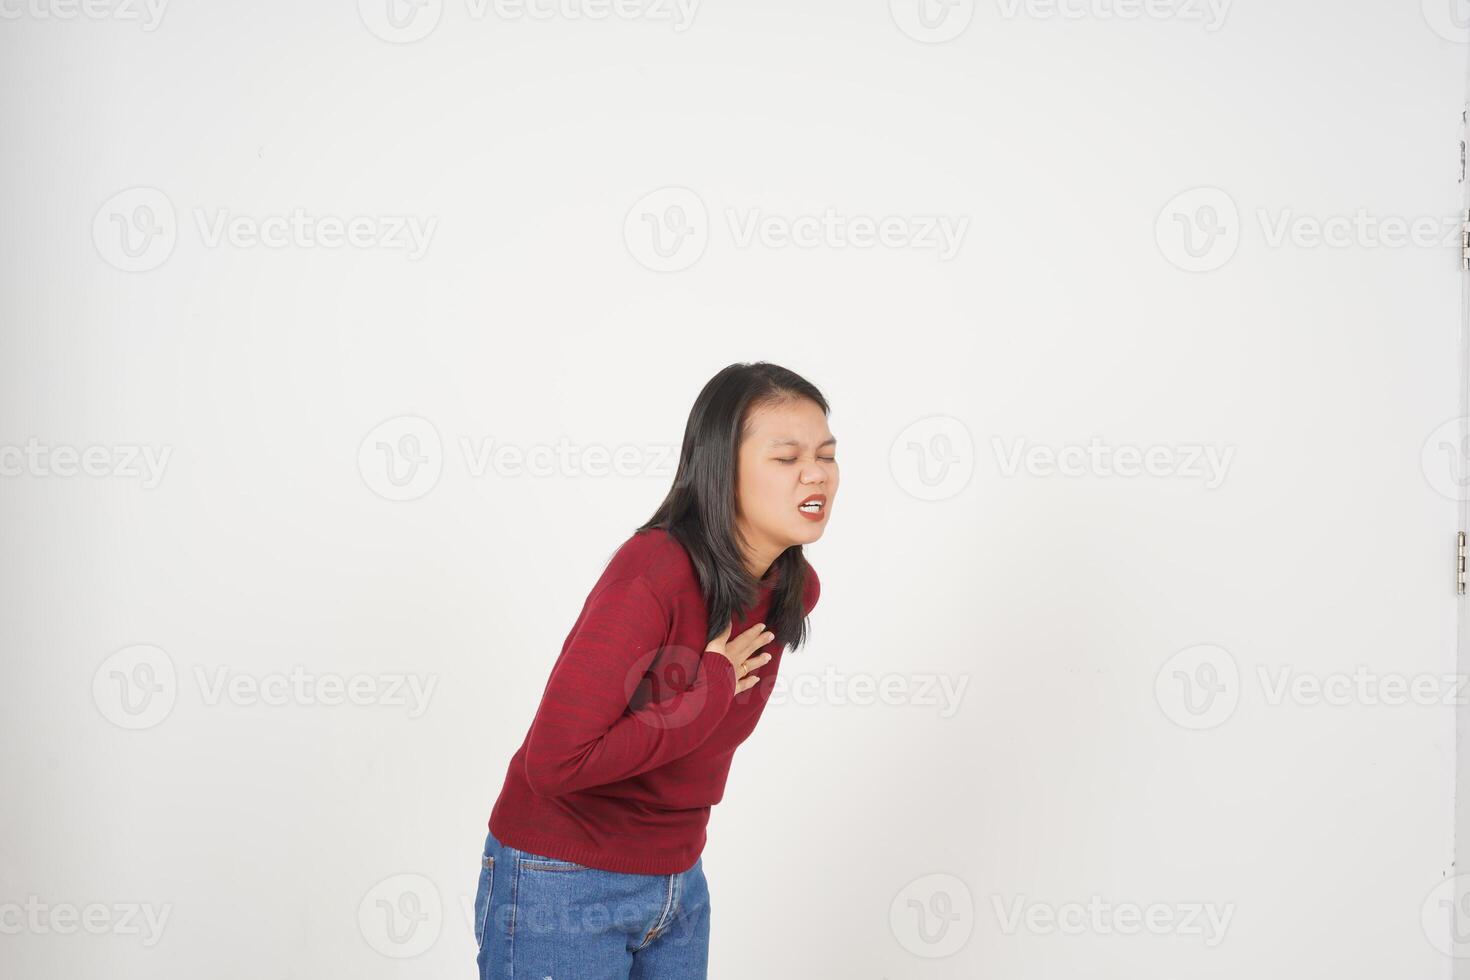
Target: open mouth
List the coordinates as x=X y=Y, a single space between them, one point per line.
x=814 y=506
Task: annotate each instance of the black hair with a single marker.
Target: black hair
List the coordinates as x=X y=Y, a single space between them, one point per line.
x=699 y=511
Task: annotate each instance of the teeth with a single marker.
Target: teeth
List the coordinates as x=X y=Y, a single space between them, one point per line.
x=814 y=506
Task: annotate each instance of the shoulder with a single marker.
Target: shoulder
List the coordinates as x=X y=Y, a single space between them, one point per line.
x=655 y=556
x=634 y=584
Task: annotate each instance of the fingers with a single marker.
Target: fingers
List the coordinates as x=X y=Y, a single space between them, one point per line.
x=755 y=637
x=750 y=640
x=760 y=640
x=751 y=680
x=751 y=663
x=739 y=652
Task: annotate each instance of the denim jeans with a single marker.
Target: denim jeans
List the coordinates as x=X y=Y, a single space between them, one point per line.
x=542 y=918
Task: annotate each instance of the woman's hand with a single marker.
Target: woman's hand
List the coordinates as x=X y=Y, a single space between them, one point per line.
x=738 y=651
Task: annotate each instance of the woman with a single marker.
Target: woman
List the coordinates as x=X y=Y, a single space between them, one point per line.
x=591 y=868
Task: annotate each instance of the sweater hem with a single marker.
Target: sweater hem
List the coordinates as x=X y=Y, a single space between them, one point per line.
x=641 y=862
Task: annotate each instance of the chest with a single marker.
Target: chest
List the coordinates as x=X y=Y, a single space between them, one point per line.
x=675 y=668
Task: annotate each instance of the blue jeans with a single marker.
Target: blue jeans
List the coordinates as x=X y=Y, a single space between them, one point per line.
x=538 y=917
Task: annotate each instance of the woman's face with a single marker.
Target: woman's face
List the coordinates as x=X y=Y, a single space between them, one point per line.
x=788 y=457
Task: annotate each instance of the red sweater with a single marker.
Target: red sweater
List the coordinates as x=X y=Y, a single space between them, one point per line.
x=637 y=724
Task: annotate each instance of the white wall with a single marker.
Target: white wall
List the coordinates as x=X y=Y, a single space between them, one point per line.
x=1065 y=766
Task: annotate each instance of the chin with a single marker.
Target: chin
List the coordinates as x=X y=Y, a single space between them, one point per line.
x=808 y=533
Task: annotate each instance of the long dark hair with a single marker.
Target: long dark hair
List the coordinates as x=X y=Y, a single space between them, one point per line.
x=699 y=511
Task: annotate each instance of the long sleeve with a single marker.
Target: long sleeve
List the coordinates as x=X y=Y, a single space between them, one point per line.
x=584 y=733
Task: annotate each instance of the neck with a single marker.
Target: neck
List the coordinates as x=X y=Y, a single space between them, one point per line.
x=760 y=555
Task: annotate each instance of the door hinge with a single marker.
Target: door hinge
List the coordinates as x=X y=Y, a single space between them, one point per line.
x=1460 y=564
x=1465 y=239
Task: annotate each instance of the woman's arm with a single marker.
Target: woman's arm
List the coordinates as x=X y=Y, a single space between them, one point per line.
x=582 y=734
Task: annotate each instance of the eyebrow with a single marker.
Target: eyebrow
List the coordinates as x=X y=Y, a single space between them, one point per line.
x=831 y=441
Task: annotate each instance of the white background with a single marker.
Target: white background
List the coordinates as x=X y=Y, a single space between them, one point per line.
x=888 y=839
